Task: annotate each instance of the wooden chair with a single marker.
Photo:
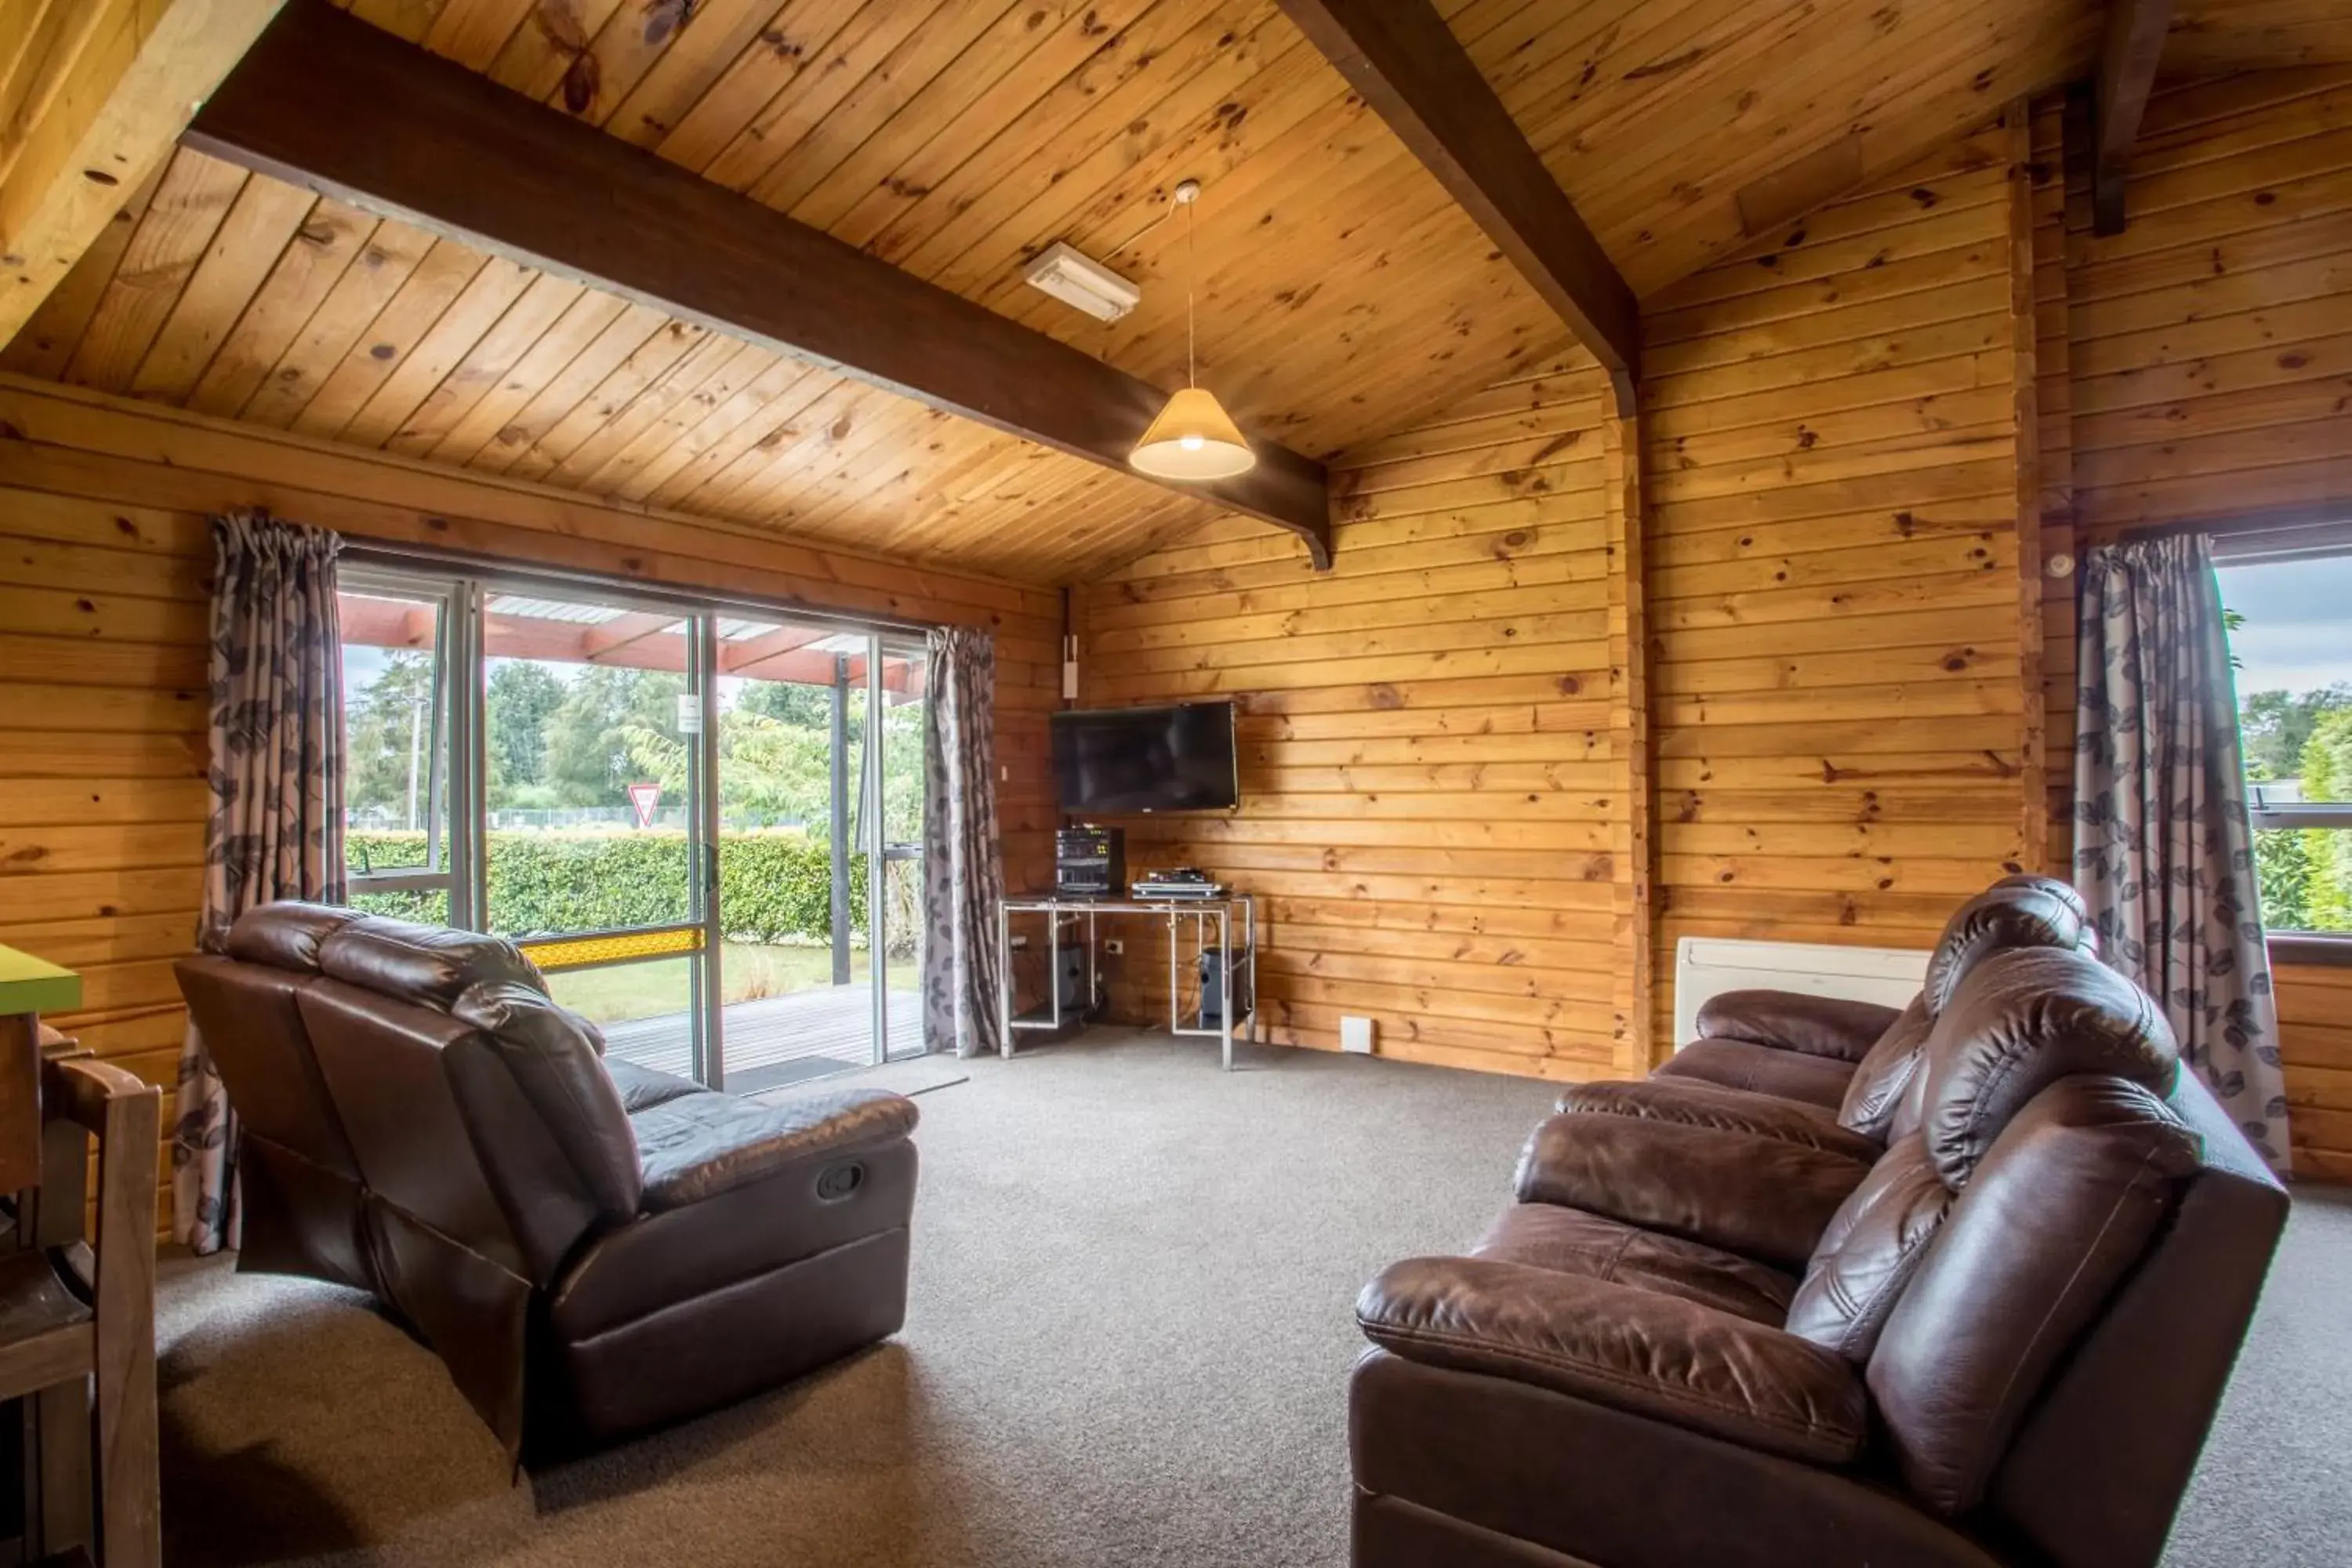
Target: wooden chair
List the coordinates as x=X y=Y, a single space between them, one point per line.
x=78 y=1326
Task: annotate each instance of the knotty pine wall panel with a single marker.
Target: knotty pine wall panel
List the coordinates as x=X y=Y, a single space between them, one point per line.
x=2211 y=341
x=105 y=578
x=1433 y=813
x=1838 y=656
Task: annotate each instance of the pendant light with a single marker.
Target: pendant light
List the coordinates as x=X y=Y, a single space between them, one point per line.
x=1194 y=438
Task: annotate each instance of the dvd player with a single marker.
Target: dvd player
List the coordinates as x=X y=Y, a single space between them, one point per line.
x=1178 y=882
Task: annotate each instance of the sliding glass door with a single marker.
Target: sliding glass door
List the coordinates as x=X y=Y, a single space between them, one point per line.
x=590 y=718
x=691 y=818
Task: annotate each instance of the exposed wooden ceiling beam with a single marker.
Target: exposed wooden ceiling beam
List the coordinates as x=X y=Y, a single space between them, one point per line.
x=1408 y=65
x=333 y=104
x=2127 y=61
x=97 y=92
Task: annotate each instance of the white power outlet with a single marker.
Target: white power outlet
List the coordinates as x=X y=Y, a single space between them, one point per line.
x=1356 y=1034
x=1115 y=947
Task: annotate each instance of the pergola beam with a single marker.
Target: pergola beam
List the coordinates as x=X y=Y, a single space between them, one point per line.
x=389 y=624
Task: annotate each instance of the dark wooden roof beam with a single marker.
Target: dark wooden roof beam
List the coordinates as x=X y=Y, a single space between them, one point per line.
x=330 y=103
x=2128 y=62
x=1415 y=74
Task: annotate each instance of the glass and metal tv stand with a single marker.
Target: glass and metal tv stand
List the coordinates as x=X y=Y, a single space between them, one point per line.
x=1224 y=913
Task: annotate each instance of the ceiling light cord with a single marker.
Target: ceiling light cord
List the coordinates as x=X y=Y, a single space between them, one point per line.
x=1191 y=275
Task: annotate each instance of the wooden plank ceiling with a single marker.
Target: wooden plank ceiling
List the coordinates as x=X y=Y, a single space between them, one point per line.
x=1341 y=293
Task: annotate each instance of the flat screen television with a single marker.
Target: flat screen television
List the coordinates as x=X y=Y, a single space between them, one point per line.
x=1109 y=760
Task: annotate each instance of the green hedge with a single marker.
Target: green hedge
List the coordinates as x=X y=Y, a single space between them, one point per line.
x=774 y=887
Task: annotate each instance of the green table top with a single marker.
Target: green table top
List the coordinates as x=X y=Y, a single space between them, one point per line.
x=28 y=984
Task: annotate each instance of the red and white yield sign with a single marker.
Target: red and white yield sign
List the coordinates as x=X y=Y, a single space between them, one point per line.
x=642 y=799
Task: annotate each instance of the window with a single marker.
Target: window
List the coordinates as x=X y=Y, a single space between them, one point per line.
x=398 y=713
x=2290 y=639
x=684 y=812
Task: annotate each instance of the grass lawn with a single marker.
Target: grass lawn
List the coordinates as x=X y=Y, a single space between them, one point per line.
x=629 y=991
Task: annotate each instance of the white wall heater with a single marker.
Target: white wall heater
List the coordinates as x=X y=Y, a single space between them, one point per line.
x=1705 y=967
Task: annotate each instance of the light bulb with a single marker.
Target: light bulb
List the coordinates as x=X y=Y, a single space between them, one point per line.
x=1191 y=443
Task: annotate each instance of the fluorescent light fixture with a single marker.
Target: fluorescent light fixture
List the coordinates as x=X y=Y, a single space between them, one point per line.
x=1083 y=283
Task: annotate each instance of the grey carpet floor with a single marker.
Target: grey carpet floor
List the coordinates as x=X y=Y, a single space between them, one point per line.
x=1128 y=1345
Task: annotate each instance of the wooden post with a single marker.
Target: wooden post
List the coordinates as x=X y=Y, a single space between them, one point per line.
x=1629 y=731
x=2033 y=812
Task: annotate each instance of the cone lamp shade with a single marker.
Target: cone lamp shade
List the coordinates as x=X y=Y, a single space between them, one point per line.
x=1193 y=438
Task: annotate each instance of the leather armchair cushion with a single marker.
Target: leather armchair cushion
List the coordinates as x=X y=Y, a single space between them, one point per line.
x=1873 y=1244
x=2002 y=917
x=1886 y=1074
x=1758 y=1198
x=1570 y=1241
x=696 y=1146
x=287 y=934
x=553 y=1063
x=2058 y=1213
x=1766 y=1070
x=1698 y=1104
x=2020 y=1021
x=642 y=1087
x=428 y=965
x=1645 y=1354
x=1831 y=1027
x=2065 y=893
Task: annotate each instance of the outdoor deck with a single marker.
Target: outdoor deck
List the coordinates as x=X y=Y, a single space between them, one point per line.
x=776 y=1040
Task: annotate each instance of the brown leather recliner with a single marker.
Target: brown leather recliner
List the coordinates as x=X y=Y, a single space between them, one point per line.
x=1999 y=1341
x=1851 y=1056
x=592 y=1247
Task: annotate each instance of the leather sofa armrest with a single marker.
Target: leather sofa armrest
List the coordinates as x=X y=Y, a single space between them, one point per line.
x=1760 y=1197
x=1645 y=1353
x=1831 y=1027
x=715 y=1143
x=1695 y=1103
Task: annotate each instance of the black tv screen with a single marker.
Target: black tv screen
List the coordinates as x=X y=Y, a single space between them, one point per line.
x=1146 y=759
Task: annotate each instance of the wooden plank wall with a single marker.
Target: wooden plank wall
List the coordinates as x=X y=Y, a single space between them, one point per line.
x=105 y=561
x=2211 y=341
x=1838 y=659
x=1434 y=810
x=2210 y=358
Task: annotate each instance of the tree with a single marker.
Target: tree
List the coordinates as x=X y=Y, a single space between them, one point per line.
x=2326 y=768
x=388 y=730
x=810 y=707
x=769 y=771
x=522 y=695
x=587 y=758
x=2276 y=726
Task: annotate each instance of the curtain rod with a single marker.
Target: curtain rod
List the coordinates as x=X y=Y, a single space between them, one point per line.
x=2282 y=531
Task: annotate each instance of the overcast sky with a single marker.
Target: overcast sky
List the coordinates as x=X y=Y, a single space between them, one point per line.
x=2298 y=630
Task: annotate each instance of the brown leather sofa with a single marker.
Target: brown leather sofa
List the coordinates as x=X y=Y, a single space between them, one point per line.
x=593 y=1248
x=1813 y=1049
x=1998 y=1337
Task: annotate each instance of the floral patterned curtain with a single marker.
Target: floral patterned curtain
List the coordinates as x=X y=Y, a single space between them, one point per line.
x=277 y=826
x=963 y=880
x=2163 y=853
